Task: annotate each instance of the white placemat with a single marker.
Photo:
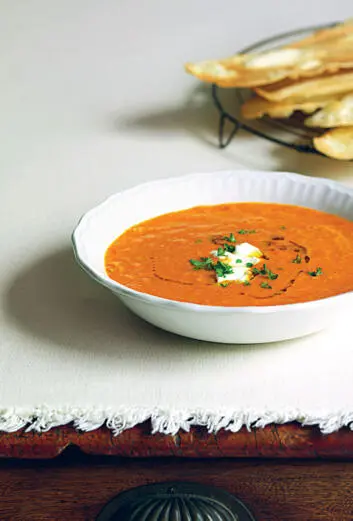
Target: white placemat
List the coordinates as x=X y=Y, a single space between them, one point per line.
x=94 y=100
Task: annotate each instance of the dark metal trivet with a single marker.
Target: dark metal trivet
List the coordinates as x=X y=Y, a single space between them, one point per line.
x=266 y=127
x=175 y=501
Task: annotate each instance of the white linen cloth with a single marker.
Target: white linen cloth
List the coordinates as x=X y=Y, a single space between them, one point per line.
x=94 y=100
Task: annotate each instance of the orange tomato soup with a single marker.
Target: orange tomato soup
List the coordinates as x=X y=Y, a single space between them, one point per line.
x=304 y=255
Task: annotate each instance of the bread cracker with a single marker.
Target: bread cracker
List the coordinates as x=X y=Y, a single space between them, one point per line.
x=249 y=70
x=337 y=113
x=307 y=88
x=326 y=34
x=336 y=143
x=257 y=107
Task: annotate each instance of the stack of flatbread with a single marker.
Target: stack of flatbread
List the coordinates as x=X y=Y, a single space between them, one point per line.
x=313 y=76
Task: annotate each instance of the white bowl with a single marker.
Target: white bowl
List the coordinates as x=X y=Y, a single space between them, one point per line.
x=100 y=226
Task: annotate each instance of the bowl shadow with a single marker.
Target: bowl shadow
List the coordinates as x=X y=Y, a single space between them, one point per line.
x=54 y=300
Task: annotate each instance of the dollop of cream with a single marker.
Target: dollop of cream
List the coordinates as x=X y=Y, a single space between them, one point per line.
x=241 y=261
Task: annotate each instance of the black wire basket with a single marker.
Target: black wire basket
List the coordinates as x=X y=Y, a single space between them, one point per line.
x=289 y=132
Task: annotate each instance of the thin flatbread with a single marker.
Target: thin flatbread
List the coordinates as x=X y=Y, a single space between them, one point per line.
x=322 y=54
x=326 y=34
x=307 y=88
x=256 y=107
x=337 y=113
x=336 y=143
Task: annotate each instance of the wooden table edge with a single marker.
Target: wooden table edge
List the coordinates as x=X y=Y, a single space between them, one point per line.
x=274 y=441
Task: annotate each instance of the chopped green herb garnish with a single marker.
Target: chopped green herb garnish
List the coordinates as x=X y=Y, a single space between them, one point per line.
x=231 y=238
x=249 y=264
x=222 y=269
x=271 y=275
x=198 y=265
x=224 y=284
x=265 y=285
x=225 y=248
x=315 y=273
x=297 y=260
x=282 y=227
x=198 y=241
x=205 y=263
x=268 y=272
x=229 y=247
x=265 y=271
x=238 y=261
x=244 y=232
x=247 y=283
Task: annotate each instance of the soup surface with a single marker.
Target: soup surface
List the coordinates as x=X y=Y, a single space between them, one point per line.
x=237 y=254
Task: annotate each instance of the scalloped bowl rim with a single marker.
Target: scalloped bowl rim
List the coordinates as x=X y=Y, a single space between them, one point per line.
x=203 y=308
